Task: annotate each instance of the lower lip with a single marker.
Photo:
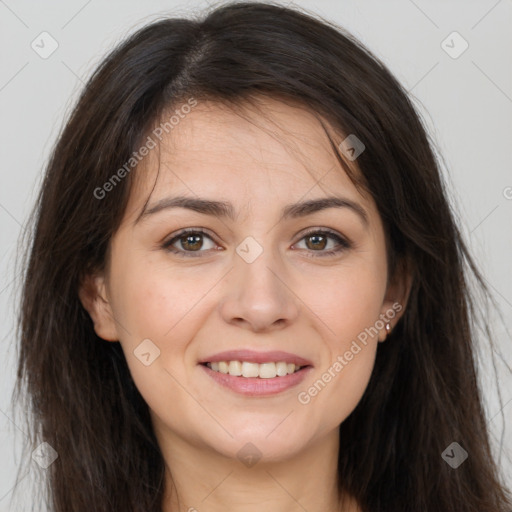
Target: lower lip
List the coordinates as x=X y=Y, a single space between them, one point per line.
x=254 y=386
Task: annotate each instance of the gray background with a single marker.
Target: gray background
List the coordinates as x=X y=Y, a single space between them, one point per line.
x=466 y=103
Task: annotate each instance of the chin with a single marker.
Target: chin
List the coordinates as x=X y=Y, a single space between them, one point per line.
x=255 y=444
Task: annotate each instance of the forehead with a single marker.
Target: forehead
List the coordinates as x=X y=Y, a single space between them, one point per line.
x=246 y=151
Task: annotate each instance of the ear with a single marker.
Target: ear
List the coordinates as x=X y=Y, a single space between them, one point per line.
x=93 y=296
x=395 y=301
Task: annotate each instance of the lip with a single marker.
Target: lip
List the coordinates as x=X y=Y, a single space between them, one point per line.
x=255 y=386
x=251 y=356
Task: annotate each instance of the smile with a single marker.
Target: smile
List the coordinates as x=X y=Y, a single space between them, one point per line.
x=254 y=370
x=256 y=379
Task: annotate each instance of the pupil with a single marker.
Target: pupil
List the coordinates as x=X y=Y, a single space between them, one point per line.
x=312 y=237
x=197 y=242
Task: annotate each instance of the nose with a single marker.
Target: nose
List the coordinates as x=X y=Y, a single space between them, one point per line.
x=258 y=296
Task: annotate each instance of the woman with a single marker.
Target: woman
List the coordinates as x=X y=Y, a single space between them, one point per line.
x=246 y=286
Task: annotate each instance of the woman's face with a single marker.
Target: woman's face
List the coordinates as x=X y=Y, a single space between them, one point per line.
x=262 y=276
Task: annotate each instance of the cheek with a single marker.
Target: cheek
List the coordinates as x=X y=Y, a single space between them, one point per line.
x=167 y=308
x=346 y=300
x=151 y=302
x=335 y=389
x=348 y=305
x=336 y=392
x=152 y=306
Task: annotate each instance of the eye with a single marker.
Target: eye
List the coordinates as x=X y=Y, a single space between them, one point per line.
x=318 y=240
x=189 y=241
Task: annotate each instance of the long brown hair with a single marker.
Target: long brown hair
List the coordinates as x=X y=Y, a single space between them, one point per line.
x=423 y=393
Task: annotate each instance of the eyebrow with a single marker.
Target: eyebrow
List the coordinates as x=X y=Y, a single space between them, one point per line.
x=226 y=210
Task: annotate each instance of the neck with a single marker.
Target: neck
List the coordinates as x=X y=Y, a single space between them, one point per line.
x=203 y=479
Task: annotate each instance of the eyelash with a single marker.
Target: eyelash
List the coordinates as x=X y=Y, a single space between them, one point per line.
x=343 y=244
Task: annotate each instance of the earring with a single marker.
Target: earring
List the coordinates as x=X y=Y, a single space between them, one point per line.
x=388 y=330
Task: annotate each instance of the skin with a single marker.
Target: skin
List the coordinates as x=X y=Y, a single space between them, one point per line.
x=289 y=298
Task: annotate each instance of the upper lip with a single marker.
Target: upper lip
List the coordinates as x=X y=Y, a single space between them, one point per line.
x=257 y=357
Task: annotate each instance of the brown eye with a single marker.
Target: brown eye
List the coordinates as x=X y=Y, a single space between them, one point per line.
x=189 y=242
x=318 y=241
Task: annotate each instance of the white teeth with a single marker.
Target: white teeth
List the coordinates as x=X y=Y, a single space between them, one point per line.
x=282 y=369
x=235 y=368
x=250 y=369
x=246 y=369
x=267 y=370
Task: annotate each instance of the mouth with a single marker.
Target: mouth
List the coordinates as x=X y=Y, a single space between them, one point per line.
x=255 y=373
x=249 y=370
